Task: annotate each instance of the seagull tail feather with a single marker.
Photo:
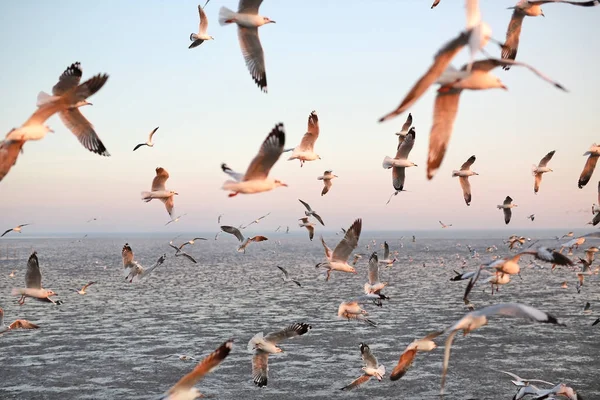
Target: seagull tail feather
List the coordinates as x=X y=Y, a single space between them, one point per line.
x=387 y=162
x=225 y=16
x=44 y=98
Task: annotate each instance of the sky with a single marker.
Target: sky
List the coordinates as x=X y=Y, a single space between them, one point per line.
x=352 y=64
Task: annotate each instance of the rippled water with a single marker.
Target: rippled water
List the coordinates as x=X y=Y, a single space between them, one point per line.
x=121 y=341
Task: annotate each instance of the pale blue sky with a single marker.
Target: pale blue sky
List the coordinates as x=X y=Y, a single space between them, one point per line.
x=352 y=61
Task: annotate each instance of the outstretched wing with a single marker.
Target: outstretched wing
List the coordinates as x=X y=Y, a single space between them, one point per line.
x=466 y=188
x=511 y=44
x=234 y=231
x=260 y=368
x=444 y=115
x=373 y=269
x=349 y=242
x=33 y=276
x=544 y=161
x=588 y=170
x=267 y=156
x=293 y=330
x=467 y=163
x=312 y=133
x=357 y=382
x=159 y=181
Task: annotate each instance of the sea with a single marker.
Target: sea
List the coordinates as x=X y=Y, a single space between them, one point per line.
x=124 y=340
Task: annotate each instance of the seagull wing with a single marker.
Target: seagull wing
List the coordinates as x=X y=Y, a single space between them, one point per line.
x=234 y=231
x=468 y=163
x=235 y=175
x=312 y=133
x=311 y=231
x=186 y=255
x=9 y=152
x=127 y=255
x=538 y=181
x=544 y=161
x=507 y=201
x=260 y=368
x=203 y=27
x=69 y=79
x=33 y=276
x=87 y=285
x=473 y=13
x=404 y=363
x=139 y=145
x=408 y=123
x=373 y=273
x=367 y=356
x=305 y=204
x=386 y=250
x=159 y=181
x=511 y=44
x=406 y=146
x=466 y=188
x=444 y=115
x=357 y=382
x=290 y=331
x=328 y=252
x=517 y=310
x=169 y=205
x=152 y=134
x=507 y=215
x=491 y=63
x=285 y=273
x=344 y=248
x=22 y=324
x=326 y=186
x=83 y=130
x=588 y=170
x=204 y=367
x=249 y=6
x=267 y=156
x=318 y=218
x=6 y=231
x=398 y=178
x=253 y=55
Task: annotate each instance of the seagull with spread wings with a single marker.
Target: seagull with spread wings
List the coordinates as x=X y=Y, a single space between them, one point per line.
x=184 y=389
x=370 y=370
x=15 y=229
x=305 y=150
x=310 y=227
x=399 y=163
x=506 y=208
x=286 y=276
x=199 y=38
x=82 y=291
x=540 y=169
x=518 y=381
x=33 y=283
x=256 y=179
x=338 y=259
x=17 y=324
x=132 y=270
x=159 y=192
x=409 y=353
x=529 y=8
x=463 y=176
x=256 y=221
x=176 y=219
x=310 y=212
x=374 y=285
x=444 y=226
x=244 y=241
x=149 y=142
x=262 y=346
x=248 y=21
x=181 y=253
x=593 y=153
x=352 y=310
x=327 y=177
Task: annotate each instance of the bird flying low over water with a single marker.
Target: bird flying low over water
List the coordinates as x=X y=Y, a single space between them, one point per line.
x=248 y=21
x=372 y=368
x=310 y=212
x=256 y=179
x=149 y=142
x=310 y=227
x=245 y=241
x=15 y=229
x=159 y=192
x=409 y=353
x=593 y=154
x=286 y=276
x=199 y=38
x=33 y=283
x=338 y=259
x=17 y=324
x=463 y=176
x=82 y=291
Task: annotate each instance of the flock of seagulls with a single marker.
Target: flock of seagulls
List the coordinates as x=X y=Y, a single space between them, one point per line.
x=68 y=95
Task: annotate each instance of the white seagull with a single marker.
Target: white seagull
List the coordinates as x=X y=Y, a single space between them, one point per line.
x=506 y=208
x=263 y=346
x=374 y=286
x=338 y=259
x=408 y=355
x=309 y=212
x=199 y=38
x=159 y=192
x=399 y=163
x=248 y=21
x=149 y=142
x=407 y=124
x=308 y=225
x=327 y=177
x=15 y=229
x=256 y=179
x=540 y=169
x=33 y=283
x=286 y=277
x=518 y=381
x=352 y=310
x=256 y=221
x=444 y=225
x=371 y=368
x=305 y=150
x=245 y=241
x=593 y=153
x=463 y=176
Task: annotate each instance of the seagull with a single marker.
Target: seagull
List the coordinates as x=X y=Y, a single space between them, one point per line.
x=257 y=220
x=149 y=142
x=67 y=96
x=199 y=38
x=587 y=308
x=12 y=273
x=444 y=225
x=352 y=310
x=338 y=259
x=309 y=226
x=327 y=177
x=524 y=382
x=435 y=3
x=219 y=218
x=531 y=217
x=408 y=355
x=17 y=324
x=92 y=219
x=15 y=229
x=561 y=390
x=406 y=126
x=593 y=153
x=181 y=253
x=245 y=242
x=531 y=9
x=82 y=290
x=305 y=151
x=132 y=270
x=479 y=318
x=374 y=286
x=192 y=241
x=540 y=169
x=371 y=368
x=248 y=21
x=263 y=346
x=386 y=256
x=506 y=208
x=256 y=180
x=476 y=36
x=176 y=219
x=309 y=211
x=33 y=283
x=158 y=191
x=184 y=389
x=400 y=162
x=286 y=277
x=463 y=176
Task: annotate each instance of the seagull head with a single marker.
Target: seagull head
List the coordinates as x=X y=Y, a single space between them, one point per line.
x=267 y=20
x=279 y=183
x=50 y=293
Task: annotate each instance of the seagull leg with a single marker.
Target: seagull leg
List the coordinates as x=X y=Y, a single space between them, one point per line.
x=22 y=300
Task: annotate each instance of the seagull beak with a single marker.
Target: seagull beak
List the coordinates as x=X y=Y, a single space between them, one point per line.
x=273 y=22
x=87 y=103
x=51 y=130
x=543 y=15
x=284 y=184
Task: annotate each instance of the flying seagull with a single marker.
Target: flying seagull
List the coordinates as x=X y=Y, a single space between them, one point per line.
x=262 y=346
x=540 y=169
x=479 y=318
x=531 y=217
x=370 y=370
x=184 y=389
x=463 y=176
x=257 y=220
x=528 y=8
x=68 y=90
x=309 y=226
x=399 y=163
x=15 y=229
x=248 y=21
x=518 y=381
x=256 y=180
x=149 y=142
x=176 y=219
x=593 y=153
x=158 y=191
x=444 y=225
x=404 y=131
x=33 y=283
x=506 y=208
x=82 y=290
x=286 y=277
x=338 y=261
x=309 y=211
x=409 y=353
x=17 y=324
x=181 y=253
x=327 y=177
x=352 y=310
x=199 y=38
x=132 y=270
x=374 y=285
x=305 y=150
x=245 y=241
